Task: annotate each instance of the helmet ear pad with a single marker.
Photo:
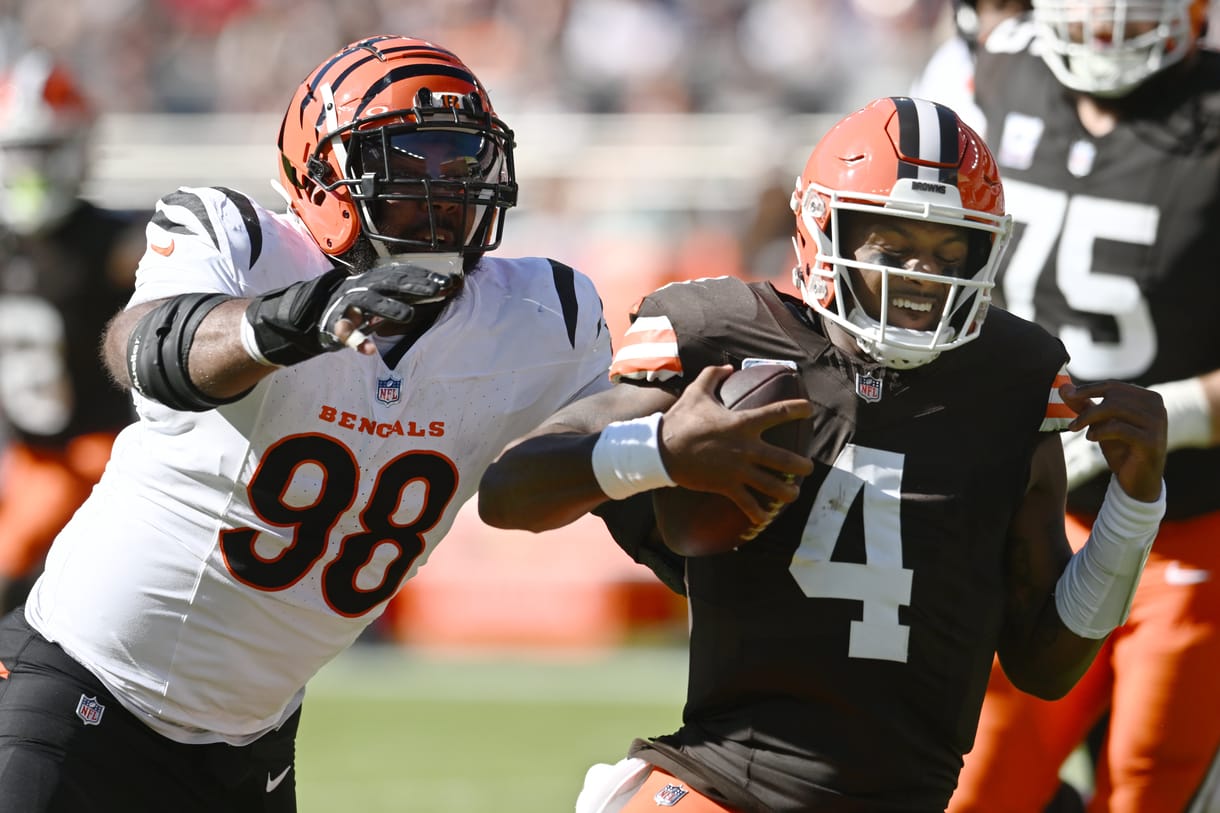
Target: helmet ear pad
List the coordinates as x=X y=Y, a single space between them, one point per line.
x=334 y=223
x=813 y=276
x=329 y=214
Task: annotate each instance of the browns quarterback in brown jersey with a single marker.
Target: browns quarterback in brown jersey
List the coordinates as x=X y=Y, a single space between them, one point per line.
x=839 y=658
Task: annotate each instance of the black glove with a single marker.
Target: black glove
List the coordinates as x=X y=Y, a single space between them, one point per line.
x=297 y=322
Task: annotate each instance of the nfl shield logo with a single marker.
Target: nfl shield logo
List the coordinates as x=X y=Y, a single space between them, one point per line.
x=669 y=795
x=89 y=710
x=389 y=390
x=868 y=387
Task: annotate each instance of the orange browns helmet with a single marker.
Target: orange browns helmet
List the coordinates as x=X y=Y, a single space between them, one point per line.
x=45 y=124
x=389 y=120
x=1110 y=47
x=911 y=159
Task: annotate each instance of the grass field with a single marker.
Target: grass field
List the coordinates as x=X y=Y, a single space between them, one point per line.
x=387 y=729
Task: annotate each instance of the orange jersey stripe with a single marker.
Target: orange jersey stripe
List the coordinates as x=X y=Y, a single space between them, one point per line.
x=1058 y=414
x=649 y=351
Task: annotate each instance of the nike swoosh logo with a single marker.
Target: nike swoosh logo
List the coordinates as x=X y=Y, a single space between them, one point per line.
x=165 y=250
x=1177 y=573
x=274 y=782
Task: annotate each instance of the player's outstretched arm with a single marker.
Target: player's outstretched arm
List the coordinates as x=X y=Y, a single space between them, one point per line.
x=218 y=364
x=1061 y=606
x=200 y=350
x=631 y=439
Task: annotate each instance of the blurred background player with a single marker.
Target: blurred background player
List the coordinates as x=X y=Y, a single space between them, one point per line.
x=948 y=76
x=66 y=267
x=1105 y=119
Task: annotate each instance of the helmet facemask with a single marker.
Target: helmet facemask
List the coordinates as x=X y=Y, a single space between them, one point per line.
x=892 y=164
x=1109 y=49
x=827 y=284
x=431 y=180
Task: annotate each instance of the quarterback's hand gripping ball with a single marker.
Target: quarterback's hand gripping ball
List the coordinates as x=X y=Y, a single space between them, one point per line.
x=701 y=522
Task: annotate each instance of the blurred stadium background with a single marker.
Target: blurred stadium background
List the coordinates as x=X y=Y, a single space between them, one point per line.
x=657 y=141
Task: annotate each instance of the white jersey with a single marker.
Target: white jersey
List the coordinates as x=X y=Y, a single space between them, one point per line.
x=948 y=79
x=226 y=555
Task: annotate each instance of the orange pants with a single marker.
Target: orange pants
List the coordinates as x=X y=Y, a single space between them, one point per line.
x=664 y=790
x=40 y=489
x=1156 y=675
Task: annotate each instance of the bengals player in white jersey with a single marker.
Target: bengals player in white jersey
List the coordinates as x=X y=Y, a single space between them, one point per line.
x=318 y=393
x=1104 y=116
x=838 y=659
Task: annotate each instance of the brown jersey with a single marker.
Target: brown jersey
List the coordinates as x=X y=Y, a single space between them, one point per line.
x=56 y=295
x=838 y=661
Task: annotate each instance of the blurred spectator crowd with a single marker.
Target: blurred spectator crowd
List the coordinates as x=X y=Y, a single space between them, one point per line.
x=224 y=56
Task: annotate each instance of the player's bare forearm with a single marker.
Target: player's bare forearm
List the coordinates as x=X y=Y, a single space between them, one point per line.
x=1040 y=655
x=545 y=480
x=1051 y=660
x=218 y=364
x=548 y=479
x=1061 y=606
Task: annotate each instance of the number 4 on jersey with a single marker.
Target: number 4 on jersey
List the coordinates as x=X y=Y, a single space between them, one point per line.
x=882 y=583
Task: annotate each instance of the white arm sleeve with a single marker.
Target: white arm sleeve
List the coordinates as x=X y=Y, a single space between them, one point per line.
x=1093 y=596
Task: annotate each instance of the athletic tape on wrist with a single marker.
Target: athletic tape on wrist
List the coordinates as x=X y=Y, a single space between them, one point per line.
x=1189 y=411
x=249 y=343
x=1094 y=593
x=627 y=458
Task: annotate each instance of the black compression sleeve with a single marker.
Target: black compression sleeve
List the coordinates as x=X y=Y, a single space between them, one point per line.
x=158 y=349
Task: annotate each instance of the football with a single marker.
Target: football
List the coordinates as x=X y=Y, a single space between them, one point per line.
x=699 y=523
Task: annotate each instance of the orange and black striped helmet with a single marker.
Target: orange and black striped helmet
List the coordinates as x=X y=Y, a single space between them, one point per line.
x=910 y=159
x=391 y=123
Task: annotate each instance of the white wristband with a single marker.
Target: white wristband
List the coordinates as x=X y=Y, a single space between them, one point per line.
x=1190 y=413
x=250 y=344
x=627 y=458
x=1093 y=596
